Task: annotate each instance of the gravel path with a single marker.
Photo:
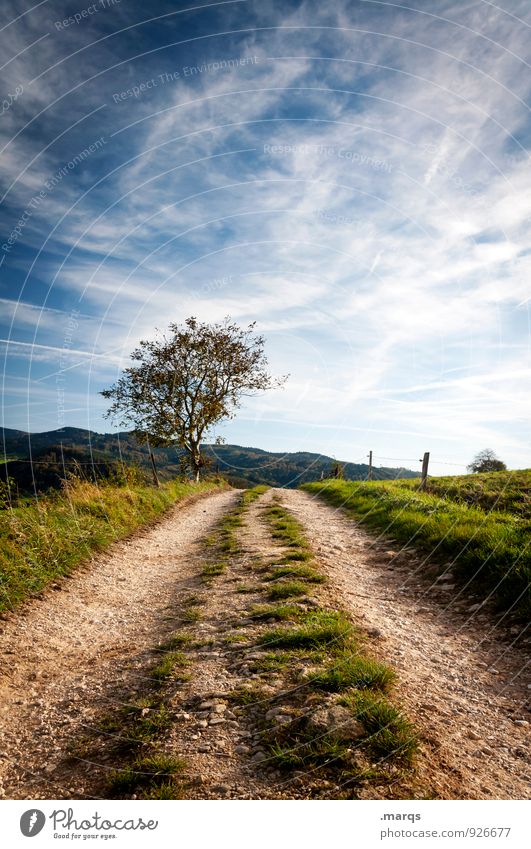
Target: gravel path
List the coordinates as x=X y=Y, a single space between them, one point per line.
x=86 y=645
x=459 y=679
x=81 y=646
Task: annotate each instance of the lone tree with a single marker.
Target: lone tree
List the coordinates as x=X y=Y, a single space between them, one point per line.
x=486 y=461
x=184 y=383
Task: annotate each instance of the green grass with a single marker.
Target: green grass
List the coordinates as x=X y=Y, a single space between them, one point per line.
x=212 y=570
x=248 y=695
x=166 y=668
x=190 y=615
x=224 y=537
x=165 y=790
x=353 y=671
x=302 y=573
x=318 y=629
x=46 y=539
x=176 y=641
x=390 y=735
x=507 y=492
x=235 y=638
x=137 y=723
x=276 y=660
x=298 y=556
x=152 y=725
x=286 y=589
x=273 y=661
x=306 y=754
x=252 y=494
x=151 y=774
x=287 y=530
x=454 y=520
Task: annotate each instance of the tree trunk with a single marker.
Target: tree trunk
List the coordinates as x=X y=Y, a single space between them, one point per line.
x=195 y=460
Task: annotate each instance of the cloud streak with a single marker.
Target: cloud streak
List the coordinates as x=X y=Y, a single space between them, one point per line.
x=358 y=183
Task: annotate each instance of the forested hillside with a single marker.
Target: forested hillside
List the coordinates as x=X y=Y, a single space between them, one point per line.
x=40 y=460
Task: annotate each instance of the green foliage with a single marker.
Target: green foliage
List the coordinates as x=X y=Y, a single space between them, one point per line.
x=244 y=589
x=251 y=695
x=182 y=384
x=165 y=790
x=151 y=725
x=273 y=661
x=481 y=522
x=252 y=494
x=7 y=492
x=45 y=539
x=244 y=466
x=486 y=461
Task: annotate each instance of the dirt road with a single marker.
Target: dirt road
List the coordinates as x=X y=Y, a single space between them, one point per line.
x=86 y=647
x=466 y=688
x=81 y=647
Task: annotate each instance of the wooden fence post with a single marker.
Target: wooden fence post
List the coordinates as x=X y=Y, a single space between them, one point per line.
x=424 y=475
x=153 y=466
x=369 y=474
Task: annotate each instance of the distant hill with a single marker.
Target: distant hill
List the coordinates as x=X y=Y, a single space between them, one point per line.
x=27 y=455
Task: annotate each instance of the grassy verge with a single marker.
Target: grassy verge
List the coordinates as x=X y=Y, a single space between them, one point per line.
x=454 y=519
x=45 y=539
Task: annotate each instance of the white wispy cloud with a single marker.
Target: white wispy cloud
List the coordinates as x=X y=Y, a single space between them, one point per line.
x=361 y=187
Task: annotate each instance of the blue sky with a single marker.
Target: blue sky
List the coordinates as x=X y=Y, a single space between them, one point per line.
x=353 y=176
